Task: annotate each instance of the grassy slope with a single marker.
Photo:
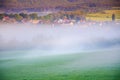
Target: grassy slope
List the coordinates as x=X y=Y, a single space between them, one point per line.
x=59 y=67
x=104 y=16
x=53 y=3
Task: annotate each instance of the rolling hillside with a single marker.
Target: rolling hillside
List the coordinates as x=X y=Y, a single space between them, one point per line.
x=56 y=3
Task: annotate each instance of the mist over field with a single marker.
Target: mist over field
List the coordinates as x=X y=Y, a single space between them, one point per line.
x=60 y=38
x=59 y=52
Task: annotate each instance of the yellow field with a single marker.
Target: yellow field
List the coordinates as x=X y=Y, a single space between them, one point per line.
x=104 y=16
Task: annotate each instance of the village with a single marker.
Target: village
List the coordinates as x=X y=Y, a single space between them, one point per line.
x=51 y=19
x=35 y=19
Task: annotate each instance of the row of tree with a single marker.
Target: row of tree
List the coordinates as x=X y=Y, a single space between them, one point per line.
x=19 y=16
x=50 y=17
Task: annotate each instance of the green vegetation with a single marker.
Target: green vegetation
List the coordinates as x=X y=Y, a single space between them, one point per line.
x=18 y=17
x=33 y=16
x=56 y=67
x=105 y=15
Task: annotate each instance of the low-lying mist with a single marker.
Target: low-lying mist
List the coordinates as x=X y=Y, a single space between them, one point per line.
x=58 y=38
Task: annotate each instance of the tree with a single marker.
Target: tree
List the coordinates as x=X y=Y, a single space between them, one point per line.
x=1 y=16
x=18 y=17
x=33 y=16
x=11 y=15
x=113 y=17
x=23 y=15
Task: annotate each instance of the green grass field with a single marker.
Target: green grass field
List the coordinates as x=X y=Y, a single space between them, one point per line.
x=97 y=65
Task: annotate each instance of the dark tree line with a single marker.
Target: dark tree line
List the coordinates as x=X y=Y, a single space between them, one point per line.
x=19 y=16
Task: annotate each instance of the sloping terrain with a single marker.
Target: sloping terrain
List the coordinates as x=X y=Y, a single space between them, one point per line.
x=100 y=65
x=56 y=3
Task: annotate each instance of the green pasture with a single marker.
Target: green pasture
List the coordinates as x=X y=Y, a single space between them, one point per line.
x=98 y=65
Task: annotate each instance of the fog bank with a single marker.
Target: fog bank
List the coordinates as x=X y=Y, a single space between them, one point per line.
x=63 y=39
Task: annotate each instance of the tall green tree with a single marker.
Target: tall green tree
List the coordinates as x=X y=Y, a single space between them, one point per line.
x=18 y=17
x=1 y=16
x=23 y=15
x=34 y=16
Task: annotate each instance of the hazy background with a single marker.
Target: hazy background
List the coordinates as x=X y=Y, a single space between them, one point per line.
x=62 y=39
